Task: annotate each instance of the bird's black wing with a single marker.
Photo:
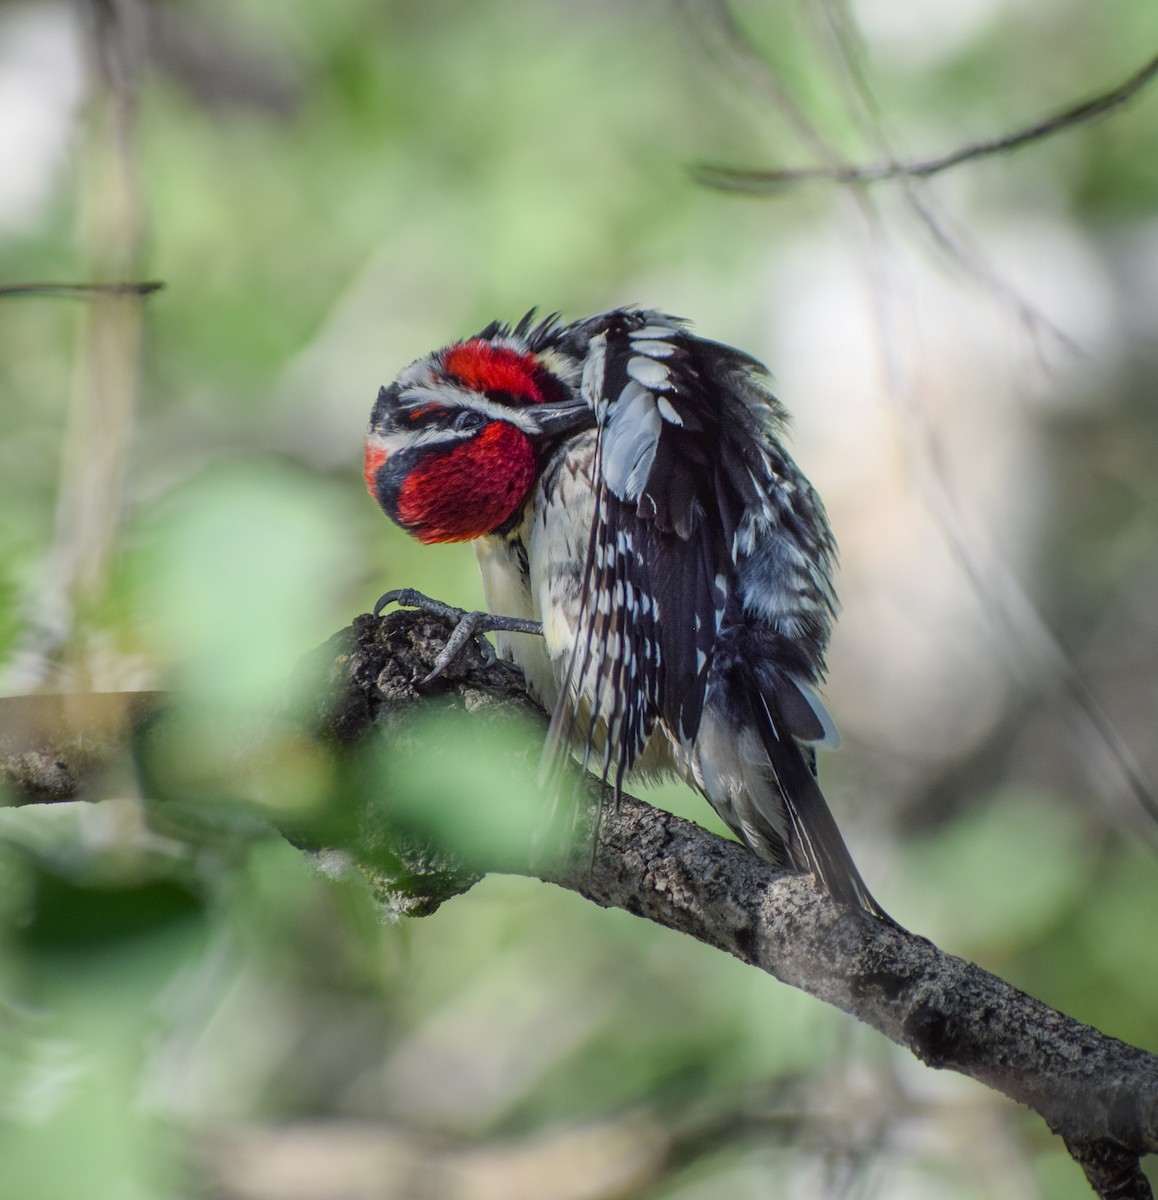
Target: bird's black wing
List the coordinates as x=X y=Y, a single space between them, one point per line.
x=658 y=564
x=695 y=500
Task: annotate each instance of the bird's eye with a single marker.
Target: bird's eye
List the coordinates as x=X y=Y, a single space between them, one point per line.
x=466 y=419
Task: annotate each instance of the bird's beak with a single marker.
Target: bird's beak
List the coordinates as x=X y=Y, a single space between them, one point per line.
x=556 y=418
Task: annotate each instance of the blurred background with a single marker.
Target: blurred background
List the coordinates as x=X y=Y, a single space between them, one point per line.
x=330 y=191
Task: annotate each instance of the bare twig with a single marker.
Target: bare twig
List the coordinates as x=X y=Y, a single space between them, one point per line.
x=81 y=291
x=738 y=179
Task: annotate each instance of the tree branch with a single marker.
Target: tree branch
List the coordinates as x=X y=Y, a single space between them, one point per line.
x=737 y=179
x=1099 y=1094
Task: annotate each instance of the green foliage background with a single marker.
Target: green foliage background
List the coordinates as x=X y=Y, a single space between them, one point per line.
x=330 y=191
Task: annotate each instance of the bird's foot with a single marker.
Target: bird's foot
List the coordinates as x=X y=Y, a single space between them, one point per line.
x=467 y=625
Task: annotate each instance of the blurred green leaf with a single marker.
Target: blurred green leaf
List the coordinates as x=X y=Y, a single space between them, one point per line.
x=973 y=884
x=237 y=575
x=466 y=782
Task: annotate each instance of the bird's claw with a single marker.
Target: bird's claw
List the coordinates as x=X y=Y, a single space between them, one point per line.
x=467 y=625
x=412 y=598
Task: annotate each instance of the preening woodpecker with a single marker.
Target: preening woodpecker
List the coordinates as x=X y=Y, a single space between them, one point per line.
x=624 y=483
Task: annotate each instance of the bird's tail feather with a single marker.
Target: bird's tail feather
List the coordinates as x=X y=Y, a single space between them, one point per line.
x=814 y=843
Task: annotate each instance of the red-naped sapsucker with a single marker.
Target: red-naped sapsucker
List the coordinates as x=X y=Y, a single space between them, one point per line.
x=624 y=484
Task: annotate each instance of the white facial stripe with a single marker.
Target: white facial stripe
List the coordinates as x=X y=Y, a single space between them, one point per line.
x=455 y=398
x=406 y=439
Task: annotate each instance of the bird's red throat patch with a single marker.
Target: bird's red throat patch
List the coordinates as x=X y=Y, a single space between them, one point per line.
x=470 y=490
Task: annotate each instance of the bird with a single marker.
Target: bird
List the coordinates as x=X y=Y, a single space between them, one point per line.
x=631 y=504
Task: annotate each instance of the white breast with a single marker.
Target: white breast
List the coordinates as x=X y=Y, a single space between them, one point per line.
x=557 y=540
x=508 y=594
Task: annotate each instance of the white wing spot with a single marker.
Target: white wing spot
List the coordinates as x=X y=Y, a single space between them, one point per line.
x=648 y=372
x=593 y=368
x=630 y=440
x=667 y=411
x=652 y=349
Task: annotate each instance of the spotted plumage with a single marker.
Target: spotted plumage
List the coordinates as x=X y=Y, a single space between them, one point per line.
x=624 y=482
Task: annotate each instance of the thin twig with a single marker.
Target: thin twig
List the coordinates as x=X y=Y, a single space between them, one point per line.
x=737 y=179
x=82 y=291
